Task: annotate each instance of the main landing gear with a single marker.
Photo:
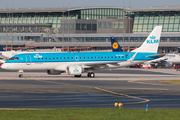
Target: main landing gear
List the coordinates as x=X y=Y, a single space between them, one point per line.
x=91 y=74
x=20 y=73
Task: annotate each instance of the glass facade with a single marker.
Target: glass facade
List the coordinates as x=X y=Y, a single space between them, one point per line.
x=54 y=18
x=143 y=21
x=101 y=12
x=146 y=21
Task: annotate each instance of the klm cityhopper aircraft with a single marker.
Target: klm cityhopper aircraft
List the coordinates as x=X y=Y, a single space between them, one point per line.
x=77 y=63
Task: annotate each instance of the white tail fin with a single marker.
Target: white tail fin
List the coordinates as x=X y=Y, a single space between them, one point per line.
x=151 y=43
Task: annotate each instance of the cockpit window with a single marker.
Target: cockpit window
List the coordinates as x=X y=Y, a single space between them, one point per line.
x=14 y=58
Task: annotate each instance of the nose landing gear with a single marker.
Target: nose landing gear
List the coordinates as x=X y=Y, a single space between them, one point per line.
x=20 y=73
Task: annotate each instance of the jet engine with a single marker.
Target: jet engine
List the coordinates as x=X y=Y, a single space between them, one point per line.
x=74 y=70
x=53 y=72
x=168 y=64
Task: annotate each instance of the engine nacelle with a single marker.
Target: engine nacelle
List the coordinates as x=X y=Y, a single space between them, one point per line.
x=74 y=70
x=168 y=64
x=53 y=72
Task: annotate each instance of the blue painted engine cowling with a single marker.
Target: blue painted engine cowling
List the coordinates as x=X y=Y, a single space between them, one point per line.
x=74 y=70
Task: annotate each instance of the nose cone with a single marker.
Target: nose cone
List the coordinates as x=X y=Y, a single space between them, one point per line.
x=4 y=66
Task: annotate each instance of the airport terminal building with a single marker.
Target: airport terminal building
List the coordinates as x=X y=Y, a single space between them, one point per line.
x=88 y=27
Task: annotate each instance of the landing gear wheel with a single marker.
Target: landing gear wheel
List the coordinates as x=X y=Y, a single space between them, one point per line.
x=91 y=74
x=88 y=74
x=77 y=75
x=20 y=75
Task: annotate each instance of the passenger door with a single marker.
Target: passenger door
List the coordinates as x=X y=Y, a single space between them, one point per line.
x=28 y=59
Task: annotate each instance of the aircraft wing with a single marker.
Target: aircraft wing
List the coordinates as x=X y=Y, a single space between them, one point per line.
x=160 y=55
x=157 y=60
x=2 y=56
x=99 y=64
x=91 y=65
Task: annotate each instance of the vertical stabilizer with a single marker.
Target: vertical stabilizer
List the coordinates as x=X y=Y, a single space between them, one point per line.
x=115 y=45
x=151 y=43
x=1 y=48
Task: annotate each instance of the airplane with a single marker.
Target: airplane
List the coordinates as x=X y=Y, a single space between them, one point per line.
x=168 y=60
x=172 y=59
x=77 y=63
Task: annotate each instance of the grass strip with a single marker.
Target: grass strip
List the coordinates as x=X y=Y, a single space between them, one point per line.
x=170 y=81
x=91 y=114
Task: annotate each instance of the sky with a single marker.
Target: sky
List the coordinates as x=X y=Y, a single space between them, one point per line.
x=86 y=3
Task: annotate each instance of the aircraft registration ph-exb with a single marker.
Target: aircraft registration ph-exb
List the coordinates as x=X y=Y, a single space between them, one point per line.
x=77 y=63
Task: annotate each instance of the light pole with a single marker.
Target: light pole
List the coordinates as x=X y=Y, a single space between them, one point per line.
x=12 y=30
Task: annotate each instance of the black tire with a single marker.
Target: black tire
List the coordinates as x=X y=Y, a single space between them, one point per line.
x=20 y=75
x=92 y=75
x=88 y=74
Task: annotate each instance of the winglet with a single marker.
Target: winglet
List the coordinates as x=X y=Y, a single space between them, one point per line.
x=115 y=46
x=1 y=48
x=151 y=43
